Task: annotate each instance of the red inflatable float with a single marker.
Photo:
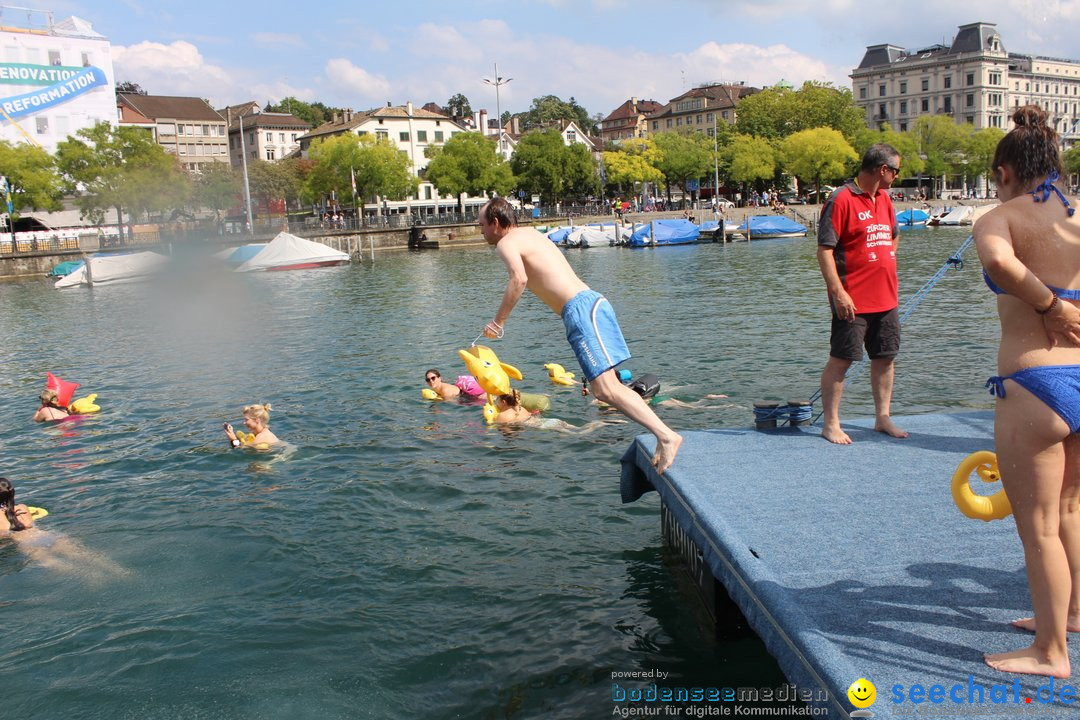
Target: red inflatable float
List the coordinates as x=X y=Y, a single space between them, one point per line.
x=63 y=389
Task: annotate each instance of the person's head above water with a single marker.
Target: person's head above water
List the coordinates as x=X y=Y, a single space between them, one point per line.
x=7 y=504
x=511 y=399
x=49 y=398
x=1030 y=150
x=259 y=414
x=432 y=376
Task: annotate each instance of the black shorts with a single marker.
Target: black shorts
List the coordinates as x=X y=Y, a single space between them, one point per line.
x=878 y=332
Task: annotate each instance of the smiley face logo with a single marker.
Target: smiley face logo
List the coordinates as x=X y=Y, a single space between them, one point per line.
x=862 y=693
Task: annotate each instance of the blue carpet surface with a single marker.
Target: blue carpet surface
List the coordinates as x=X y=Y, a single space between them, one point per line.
x=853 y=562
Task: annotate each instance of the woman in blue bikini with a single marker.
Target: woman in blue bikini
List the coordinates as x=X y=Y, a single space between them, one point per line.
x=1030 y=251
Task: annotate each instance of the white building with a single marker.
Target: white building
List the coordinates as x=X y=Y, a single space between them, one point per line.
x=55 y=78
x=269 y=136
x=409 y=129
x=973 y=80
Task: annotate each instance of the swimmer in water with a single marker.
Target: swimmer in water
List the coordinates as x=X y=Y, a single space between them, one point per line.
x=257 y=421
x=50 y=408
x=12 y=517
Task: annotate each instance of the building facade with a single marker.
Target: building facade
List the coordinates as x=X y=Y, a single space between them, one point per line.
x=628 y=121
x=408 y=128
x=698 y=109
x=269 y=136
x=974 y=80
x=55 y=79
x=185 y=126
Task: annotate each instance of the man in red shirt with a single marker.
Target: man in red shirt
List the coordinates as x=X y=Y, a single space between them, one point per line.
x=857 y=240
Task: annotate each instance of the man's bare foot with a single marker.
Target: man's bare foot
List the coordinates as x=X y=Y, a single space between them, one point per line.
x=1028 y=623
x=887 y=426
x=1028 y=662
x=666 y=450
x=835 y=434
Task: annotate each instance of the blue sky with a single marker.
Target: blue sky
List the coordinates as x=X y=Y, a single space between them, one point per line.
x=601 y=52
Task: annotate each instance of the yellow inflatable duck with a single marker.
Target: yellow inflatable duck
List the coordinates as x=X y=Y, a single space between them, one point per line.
x=429 y=394
x=559 y=375
x=84 y=405
x=493 y=376
x=37 y=513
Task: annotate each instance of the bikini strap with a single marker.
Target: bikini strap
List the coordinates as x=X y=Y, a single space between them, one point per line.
x=996 y=386
x=1046 y=187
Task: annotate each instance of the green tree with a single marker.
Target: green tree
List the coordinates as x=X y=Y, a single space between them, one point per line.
x=941 y=142
x=314 y=113
x=816 y=155
x=750 y=159
x=31 y=172
x=468 y=163
x=1072 y=160
x=549 y=108
x=217 y=187
x=912 y=164
x=683 y=157
x=623 y=166
x=458 y=106
x=544 y=165
x=980 y=150
x=106 y=167
x=270 y=182
x=127 y=86
x=778 y=112
x=380 y=169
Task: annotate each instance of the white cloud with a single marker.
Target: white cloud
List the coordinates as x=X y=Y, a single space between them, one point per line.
x=180 y=69
x=349 y=80
x=278 y=40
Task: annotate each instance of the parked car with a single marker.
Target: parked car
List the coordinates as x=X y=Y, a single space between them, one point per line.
x=792 y=199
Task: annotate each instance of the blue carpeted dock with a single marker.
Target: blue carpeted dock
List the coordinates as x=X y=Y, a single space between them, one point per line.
x=853 y=562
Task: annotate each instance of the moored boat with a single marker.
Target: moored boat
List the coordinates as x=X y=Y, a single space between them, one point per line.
x=288 y=252
x=668 y=232
x=767 y=227
x=115 y=269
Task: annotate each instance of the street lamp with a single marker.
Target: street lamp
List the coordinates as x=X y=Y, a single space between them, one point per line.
x=497 y=82
x=247 y=190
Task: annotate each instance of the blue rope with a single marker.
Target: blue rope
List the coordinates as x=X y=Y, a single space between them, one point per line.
x=955 y=261
x=790 y=413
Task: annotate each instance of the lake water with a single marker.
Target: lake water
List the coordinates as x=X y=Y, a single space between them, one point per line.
x=399 y=559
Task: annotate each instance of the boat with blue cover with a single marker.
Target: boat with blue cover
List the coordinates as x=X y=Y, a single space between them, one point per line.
x=668 y=232
x=765 y=227
x=912 y=218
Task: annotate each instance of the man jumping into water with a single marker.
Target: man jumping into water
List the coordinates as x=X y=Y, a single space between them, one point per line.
x=535 y=263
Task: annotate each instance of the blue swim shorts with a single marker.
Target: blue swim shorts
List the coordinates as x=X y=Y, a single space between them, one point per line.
x=593 y=333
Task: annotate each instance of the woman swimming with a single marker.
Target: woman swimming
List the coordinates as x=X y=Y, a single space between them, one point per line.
x=1029 y=250
x=50 y=408
x=12 y=517
x=257 y=420
x=511 y=412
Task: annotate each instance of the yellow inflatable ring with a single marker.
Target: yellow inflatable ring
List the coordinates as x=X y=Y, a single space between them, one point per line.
x=559 y=375
x=979 y=507
x=36 y=512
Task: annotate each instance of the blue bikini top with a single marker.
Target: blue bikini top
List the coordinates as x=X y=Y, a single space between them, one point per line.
x=1042 y=194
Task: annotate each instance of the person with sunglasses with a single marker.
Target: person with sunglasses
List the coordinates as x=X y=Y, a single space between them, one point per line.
x=447 y=391
x=857 y=240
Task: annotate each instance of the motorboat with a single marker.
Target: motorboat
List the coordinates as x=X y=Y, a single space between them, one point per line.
x=767 y=227
x=115 y=269
x=912 y=218
x=240 y=254
x=960 y=215
x=667 y=232
x=288 y=252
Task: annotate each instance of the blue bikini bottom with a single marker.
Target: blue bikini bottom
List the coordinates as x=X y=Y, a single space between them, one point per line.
x=1058 y=386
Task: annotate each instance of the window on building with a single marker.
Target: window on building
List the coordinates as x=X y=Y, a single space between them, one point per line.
x=903 y=107
x=708 y=132
x=1027 y=87
x=881 y=110
x=995 y=121
x=166 y=129
x=427 y=192
x=269 y=153
x=969 y=119
x=669 y=122
x=182 y=148
x=54 y=57
x=708 y=117
x=281 y=138
x=969 y=100
x=205 y=129
x=881 y=90
x=294 y=137
x=699 y=120
x=382 y=134
x=1036 y=87
x=180 y=129
x=862 y=93
x=903 y=87
x=995 y=78
x=948 y=104
x=421 y=136
x=947 y=82
x=678 y=122
x=969 y=79
x=438 y=136
x=403 y=136
x=42 y=124
x=86 y=59
x=925 y=84
x=903 y=127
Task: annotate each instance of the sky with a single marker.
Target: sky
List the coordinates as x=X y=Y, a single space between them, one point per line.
x=363 y=54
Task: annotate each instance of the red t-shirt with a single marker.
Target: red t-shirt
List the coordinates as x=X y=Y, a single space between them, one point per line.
x=862 y=231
